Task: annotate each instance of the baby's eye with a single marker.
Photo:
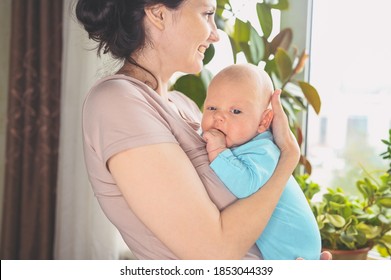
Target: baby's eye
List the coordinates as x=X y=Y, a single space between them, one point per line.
x=211 y=108
x=236 y=111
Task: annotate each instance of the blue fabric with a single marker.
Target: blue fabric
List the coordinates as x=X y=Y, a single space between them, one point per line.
x=292 y=230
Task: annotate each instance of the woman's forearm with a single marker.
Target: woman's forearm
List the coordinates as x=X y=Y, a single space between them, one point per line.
x=254 y=212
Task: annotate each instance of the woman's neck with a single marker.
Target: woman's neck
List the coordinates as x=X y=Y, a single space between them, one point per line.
x=148 y=73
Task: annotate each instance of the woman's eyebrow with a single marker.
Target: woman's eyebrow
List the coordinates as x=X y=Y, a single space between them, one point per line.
x=210 y=6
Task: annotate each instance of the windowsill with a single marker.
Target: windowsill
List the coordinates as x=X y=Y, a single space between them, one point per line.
x=374 y=255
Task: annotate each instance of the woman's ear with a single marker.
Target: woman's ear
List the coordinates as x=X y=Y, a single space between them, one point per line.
x=156 y=15
x=266 y=120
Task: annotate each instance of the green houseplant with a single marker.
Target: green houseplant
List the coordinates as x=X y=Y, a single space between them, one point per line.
x=349 y=223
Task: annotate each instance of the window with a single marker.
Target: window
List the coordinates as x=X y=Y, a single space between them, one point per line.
x=350 y=60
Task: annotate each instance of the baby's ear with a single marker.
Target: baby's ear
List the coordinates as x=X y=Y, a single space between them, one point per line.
x=266 y=120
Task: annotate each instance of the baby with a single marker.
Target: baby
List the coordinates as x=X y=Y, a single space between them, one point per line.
x=235 y=124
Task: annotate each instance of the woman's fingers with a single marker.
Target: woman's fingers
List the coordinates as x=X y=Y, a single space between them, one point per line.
x=276 y=102
x=326 y=255
x=283 y=136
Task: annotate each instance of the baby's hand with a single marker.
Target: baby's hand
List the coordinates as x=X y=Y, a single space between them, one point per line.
x=215 y=143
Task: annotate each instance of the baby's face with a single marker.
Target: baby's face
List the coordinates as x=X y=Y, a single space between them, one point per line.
x=235 y=109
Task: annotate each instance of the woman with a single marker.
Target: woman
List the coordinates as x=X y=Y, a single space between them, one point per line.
x=146 y=162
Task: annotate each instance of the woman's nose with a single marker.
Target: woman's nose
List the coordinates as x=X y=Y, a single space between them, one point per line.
x=214 y=35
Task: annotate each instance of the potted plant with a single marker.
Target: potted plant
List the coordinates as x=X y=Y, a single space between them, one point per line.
x=352 y=225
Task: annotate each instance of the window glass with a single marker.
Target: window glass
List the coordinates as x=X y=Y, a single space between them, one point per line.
x=350 y=67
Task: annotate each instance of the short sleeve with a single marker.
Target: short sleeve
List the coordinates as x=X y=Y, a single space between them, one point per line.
x=119 y=116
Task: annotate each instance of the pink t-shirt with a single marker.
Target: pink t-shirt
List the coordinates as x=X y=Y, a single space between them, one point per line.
x=121 y=113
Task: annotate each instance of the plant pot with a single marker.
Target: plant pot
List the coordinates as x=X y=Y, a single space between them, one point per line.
x=359 y=254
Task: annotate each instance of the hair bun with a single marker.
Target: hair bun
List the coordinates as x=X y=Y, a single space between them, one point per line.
x=99 y=17
x=117 y=25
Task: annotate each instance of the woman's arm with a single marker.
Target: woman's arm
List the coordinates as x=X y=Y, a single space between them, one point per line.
x=163 y=189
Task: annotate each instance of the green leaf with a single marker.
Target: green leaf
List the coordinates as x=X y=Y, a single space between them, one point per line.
x=235 y=48
x=361 y=238
x=387 y=240
x=276 y=81
x=220 y=22
x=338 y=198
x=360 y=186
x=289 y=110
x=328 y=228
x=257 y=46
x=369 y=231
x=193 y=87
x=320 y=224
x=385 y=201
x=271 y=68
x=351 y=231
x=282 y=40
x=284 y=64
x=281 y=5
x=346 y=212
x=383 y=250
x=209 y=54
x=295 y=100
x=312 y=95
x=265 y=18
x=336 y=220
x=347 y=238
x=384 y=219
x=247 y=52
x=336 y=206
x=371 y=185
x=241 y=31
x=221 y=6
x=206 y=76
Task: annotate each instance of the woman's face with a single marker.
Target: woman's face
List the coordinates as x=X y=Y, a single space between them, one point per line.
x=189 y=33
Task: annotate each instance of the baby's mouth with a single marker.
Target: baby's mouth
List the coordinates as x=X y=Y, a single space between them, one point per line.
x=221 y=131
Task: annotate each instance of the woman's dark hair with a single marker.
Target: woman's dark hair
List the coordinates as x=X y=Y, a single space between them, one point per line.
x=117 y=25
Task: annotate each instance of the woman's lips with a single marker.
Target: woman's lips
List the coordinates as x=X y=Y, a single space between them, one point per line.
x=202 y=49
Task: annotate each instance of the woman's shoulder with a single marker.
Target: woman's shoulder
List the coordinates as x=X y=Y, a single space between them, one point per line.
x=117 y=82
x=113 y=89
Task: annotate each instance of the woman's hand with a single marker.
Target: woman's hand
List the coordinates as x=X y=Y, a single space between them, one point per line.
x=324 y=256
x=283 y=136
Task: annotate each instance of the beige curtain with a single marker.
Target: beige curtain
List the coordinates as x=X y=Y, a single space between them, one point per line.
x=82 y=230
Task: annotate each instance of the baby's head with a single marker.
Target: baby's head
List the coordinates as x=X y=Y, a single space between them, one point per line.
x=237 y=103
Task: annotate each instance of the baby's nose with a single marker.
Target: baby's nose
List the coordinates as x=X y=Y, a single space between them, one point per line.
x=218 y=115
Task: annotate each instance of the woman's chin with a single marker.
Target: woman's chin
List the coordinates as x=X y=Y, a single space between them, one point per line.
x=195 y=68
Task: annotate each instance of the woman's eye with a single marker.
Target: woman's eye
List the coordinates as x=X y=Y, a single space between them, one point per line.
x=209 y=14
x=236 y=111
